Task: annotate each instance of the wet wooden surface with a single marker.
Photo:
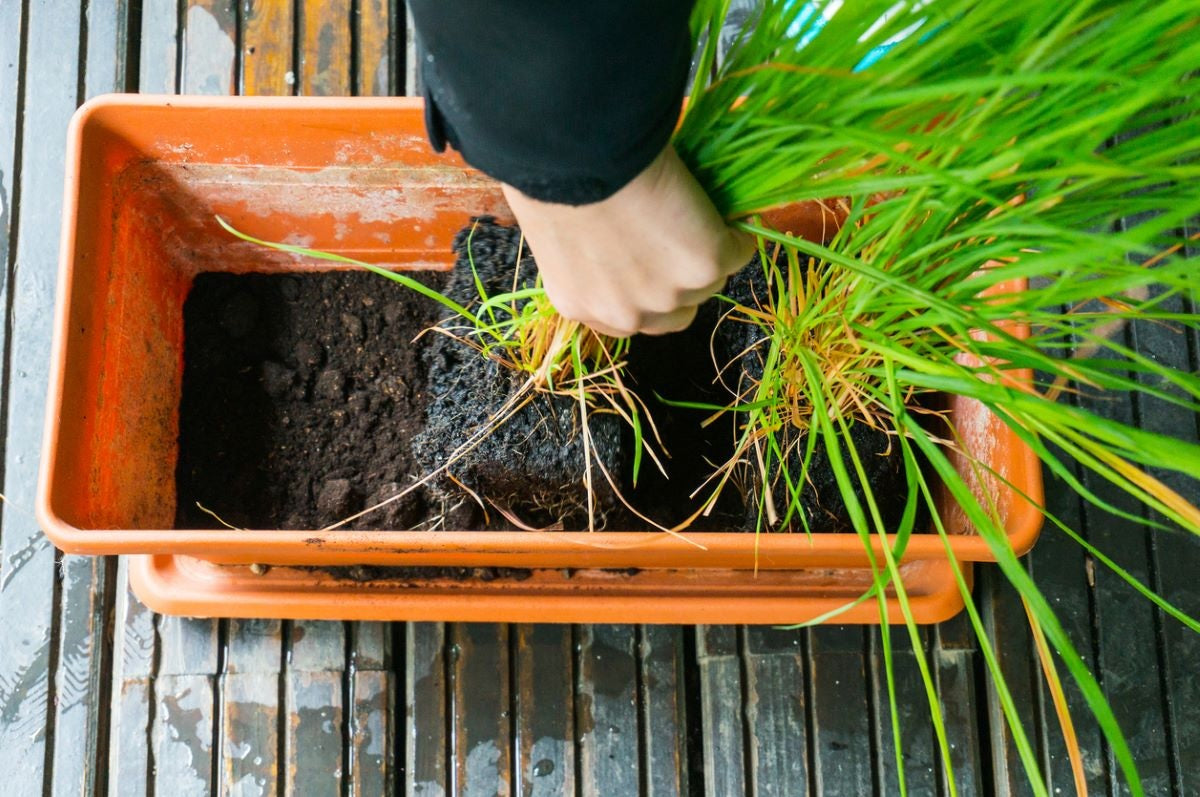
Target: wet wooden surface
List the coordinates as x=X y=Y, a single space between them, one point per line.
x=99 y=695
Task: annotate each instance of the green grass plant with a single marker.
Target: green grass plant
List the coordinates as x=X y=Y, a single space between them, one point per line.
x=976 y=147
x=1016 y=179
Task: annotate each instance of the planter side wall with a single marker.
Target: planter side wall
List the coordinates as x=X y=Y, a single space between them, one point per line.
x=146 y=178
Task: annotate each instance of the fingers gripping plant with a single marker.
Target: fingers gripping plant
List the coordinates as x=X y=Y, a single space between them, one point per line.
x=983 y=154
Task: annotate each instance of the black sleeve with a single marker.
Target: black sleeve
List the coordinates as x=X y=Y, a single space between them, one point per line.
x=565 y=100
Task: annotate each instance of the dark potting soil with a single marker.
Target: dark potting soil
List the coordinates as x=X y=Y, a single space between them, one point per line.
x=301 y=395
x=305 y=401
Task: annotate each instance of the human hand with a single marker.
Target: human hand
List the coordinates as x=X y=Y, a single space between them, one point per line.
x=640 y=261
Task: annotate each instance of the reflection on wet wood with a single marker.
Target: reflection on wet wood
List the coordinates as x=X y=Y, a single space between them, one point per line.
x=545 y=720
x=134 y=644
x=481 y=738
x=250 y=707
x=607 y=723
x=722 y=725
x=183 y=735
x=425 y=765
x=250 y=734
x=371 y=733
x=159 y=47
x=183 y=707
x=775 y=711
x=210 y=49
x=314 y=708
x=663 y=709
x=373 y=694
x=841 y=712
x=28 y=600
x=81 y=656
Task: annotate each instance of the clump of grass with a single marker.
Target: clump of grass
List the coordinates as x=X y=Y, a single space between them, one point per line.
x=977 y=146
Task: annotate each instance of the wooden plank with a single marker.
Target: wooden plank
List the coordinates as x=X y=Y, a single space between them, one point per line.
x=325 y=30
x=372 y=690
x=268 y=28
x=954 y=661
x=373 y=32
x=159 y=57
x=425 y=765
x=107 y=47
x=1062 y=571
x=371 y=733
x=209 y=48
x=480 y=737
x=919 y=752
x=1176 y=556
x=249 y=745
x=28 y=592
x=840 y=710
x=544 y=743
x=719 y=659
x=775 y=711
x=313 y=739
x=1125 y=625
x=606 y=701
x=413 y=85
x=10 y=73
x=184 y=696
x=83 y=660
x=183 y=735
x=664 y=713
x=186 y=645
x=254 y=646
x=134 y=642
x=1008 y=632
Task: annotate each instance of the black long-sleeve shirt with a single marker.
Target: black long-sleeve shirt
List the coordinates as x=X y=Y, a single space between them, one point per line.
x=565 y=100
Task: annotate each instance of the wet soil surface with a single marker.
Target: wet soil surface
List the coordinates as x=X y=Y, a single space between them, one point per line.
x=301 y=395
x=305 y=401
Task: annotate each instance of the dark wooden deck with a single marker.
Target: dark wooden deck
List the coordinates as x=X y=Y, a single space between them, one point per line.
x=98 y=695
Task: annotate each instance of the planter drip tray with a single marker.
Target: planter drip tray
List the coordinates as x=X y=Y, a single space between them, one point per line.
x=188 y=586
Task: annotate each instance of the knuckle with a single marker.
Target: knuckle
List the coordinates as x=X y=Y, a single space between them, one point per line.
x=661 y=301
x=676 y=321
x=699 y=275
x=570 y=310
x=623 y=322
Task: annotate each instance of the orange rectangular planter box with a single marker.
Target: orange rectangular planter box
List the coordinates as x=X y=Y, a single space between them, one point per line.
x=145 y=178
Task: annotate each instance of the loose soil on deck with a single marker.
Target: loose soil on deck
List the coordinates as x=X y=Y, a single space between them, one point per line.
x=305 y=401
